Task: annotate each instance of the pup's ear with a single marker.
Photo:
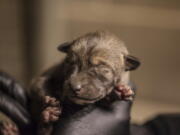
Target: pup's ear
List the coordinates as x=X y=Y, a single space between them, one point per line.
x=131 y=63
x=64 y=47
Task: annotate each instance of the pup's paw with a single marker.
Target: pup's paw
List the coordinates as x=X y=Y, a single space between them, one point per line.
x=51 y=101
x=124 y=92
x=51 y=111
x=8 y=128
x=50 y=114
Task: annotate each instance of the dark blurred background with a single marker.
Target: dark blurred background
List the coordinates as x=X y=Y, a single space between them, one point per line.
x=31 y=30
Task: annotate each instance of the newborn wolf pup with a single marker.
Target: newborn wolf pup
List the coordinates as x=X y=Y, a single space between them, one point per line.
x=96 y=68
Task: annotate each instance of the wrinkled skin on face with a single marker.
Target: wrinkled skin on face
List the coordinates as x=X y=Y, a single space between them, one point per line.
x=97 y=62
x=89 y=81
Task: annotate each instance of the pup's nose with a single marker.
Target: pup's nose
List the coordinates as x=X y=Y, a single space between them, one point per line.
x=77 y=89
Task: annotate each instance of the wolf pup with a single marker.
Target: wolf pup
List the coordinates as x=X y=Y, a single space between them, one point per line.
x=97 y=66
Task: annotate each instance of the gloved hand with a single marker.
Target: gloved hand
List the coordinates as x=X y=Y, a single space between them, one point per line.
x=97 y=121
x=13 y=101
x=92 y=120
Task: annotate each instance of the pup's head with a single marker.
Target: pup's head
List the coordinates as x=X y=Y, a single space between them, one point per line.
x=95 y=62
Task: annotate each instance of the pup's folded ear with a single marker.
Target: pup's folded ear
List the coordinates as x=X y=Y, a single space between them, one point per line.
x=131 y=63
x=64 y=47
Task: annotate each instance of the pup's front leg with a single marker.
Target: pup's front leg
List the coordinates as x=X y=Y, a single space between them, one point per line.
x=51 y=111
x=123 y=92
x=49 y=115
x=120 y=92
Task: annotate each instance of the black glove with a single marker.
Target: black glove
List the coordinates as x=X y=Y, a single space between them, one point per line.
x=13 y=101
x=94 y=120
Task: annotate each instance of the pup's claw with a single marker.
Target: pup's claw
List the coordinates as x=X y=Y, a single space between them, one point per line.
x=51 y=111
x=8 y=128
x=50 y=114
x=51 y=101
x=124 y=92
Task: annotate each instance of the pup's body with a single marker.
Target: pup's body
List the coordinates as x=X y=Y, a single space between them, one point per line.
x=97 y=66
